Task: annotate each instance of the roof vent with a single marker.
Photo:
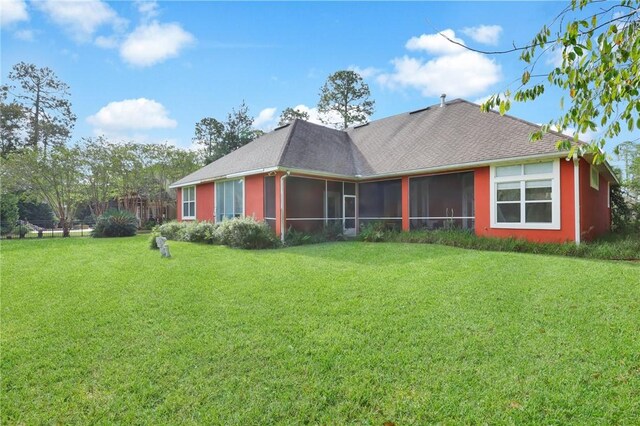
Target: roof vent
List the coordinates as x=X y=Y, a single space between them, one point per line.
x=442 y=98
x=360 y=125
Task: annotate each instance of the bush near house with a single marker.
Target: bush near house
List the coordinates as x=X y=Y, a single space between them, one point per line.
x=245 y=233
x=612 y=247
x=115 y=223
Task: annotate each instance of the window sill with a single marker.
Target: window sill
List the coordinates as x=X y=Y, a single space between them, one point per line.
x=527 y=226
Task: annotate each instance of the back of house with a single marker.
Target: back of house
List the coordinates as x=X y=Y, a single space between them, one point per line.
x=445 y=166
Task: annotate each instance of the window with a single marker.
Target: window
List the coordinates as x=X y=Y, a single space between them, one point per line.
x=189 y=202
x=526 y=196
x=594 y=177
x=229 y=199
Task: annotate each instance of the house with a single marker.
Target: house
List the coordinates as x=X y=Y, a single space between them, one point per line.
x=448 y=165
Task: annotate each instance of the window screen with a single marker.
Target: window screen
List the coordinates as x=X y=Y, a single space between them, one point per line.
x=380 y=200
x=270 y=201
x=442 y=201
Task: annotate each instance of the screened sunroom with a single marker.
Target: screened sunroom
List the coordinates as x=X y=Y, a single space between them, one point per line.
x=312 y=204
x=442 y=201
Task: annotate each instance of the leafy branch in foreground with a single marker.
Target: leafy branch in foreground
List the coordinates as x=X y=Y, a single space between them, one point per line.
x=600 y=69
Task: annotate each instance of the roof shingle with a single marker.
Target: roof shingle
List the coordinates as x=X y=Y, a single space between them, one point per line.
x=456 y=134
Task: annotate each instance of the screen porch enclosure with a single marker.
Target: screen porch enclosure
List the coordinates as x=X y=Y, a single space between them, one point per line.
x=436 y=201
x=442 y=201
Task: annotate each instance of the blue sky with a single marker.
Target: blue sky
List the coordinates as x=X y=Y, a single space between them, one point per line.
x=148 y=71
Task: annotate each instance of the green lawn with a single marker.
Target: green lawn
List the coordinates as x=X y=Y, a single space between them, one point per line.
x=105 y=331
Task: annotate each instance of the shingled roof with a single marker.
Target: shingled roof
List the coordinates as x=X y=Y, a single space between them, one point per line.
x=457 y=134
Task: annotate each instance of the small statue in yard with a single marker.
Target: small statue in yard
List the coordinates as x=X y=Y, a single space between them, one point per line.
x=161 y=242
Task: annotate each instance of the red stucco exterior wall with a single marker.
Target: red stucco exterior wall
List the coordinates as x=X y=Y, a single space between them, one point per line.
x=204 y=202
x=595 y=216
x=254 y=196
x=405 y=203
x=567 y=225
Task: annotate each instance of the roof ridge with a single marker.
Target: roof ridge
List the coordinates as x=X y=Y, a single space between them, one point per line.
x=285 y=147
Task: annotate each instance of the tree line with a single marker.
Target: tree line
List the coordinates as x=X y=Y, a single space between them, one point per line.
x=42 y=169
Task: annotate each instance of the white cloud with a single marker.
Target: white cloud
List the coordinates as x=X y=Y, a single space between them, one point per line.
x=12 y=11
x=265 y=119
x=485 y=34
x=24 y=35
x=110 y=42
x=152 y=43
x=80 y=18
x=147 y=8
x=315 y=116
x=458 y=75
x=365 y=73
x=453 y=70
x=131 y=114
x=436 y=44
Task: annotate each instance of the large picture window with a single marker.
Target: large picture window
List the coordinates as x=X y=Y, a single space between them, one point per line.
x=526 y=196
x=189 y=202
x=229 y=199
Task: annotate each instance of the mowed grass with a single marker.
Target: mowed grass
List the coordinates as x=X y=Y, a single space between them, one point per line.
x=105 y=331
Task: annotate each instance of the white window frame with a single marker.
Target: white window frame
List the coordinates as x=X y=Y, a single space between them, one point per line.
x=195 y=204
x=593 y=172
x=215 y=197
x=554 y=176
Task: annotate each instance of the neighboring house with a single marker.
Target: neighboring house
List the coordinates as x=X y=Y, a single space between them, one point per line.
x=443 y=166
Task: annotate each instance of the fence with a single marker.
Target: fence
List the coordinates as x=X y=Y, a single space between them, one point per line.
x=43 y=229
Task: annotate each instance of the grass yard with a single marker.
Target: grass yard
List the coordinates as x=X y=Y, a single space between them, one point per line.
x=105 y=331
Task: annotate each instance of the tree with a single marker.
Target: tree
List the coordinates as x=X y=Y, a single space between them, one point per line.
x=346 y=94
x=8 y=212
x=44 y=98
x=290 y=114
x=221 y=138
x=101 y=173
x=209 y=132
x=12 y=117
x=600 y=49
x=239 y=129
x=57 y=178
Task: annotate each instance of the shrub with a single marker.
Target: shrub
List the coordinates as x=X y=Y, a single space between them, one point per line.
x=374 y=232
x=21 y=230
x=613 y=246
x=333 y=231
x=246 y=233
x=115 y=223
x=173 y=230
x=152 y=238
x=150 y=224
x=297 y=238
x=201 y=232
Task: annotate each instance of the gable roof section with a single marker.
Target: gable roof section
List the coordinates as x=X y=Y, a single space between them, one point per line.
x=261 y=153
x=454 y=135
